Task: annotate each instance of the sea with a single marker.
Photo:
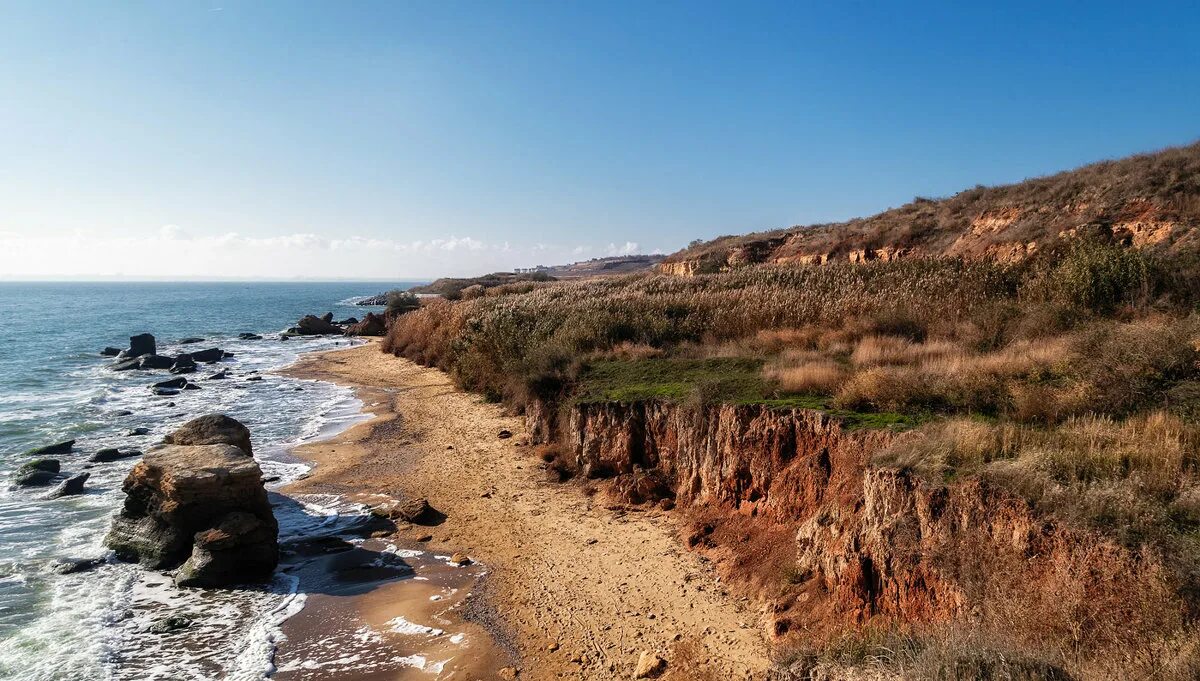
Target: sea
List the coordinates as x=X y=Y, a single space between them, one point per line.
x=107 y=622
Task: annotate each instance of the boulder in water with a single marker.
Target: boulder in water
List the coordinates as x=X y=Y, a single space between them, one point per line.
x=202 y=507
x=209 y=356
x=184 y=364
x=141 y=344
x=327 y=317
x=37 y=473
x=190 y=340
x=146 y=362
x=110 y=351
x=63 y=447
x=70 y=566
x=171 y=383
x=223 y=373
x=112 y=454
x=70 y=487
x=249 y=336
x=140 y=430
x=213 y=429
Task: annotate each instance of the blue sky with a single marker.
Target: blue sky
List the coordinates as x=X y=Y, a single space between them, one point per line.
x=283 y=139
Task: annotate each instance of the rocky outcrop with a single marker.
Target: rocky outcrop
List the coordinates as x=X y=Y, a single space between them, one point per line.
x=371 y=325
x=312 y=325
x=202 y=508
x=213 y=429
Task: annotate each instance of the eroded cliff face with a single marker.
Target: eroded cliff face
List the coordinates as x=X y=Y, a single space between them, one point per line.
x=1008 y=233
x=873 y=545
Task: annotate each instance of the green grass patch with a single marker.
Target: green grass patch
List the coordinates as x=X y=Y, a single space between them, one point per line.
x=725 y=380
x=716 y=380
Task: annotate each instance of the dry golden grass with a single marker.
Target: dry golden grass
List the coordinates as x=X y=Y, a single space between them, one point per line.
x=821 y=377
x=880 y=350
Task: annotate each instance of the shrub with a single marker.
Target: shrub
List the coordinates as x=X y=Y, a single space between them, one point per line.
x=399 y=302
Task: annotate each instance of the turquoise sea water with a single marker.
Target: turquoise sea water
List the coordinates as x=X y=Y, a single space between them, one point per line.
x=54 y=386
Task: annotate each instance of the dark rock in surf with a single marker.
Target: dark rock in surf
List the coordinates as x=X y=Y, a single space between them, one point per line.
x=209 y=356
x=249 y=336
x=191 y=386
x=70 y=566
x=222 y=374
x=327 y=317
x=347 y=321
x=184 y=364
x=63 y=447
x=171 y=383
x=141 y=344
x=37 y=473
x=380 y=300
x=254 y=378
x=138 y=431
x=126 y=364
x=122 y=412
x=147 y=362
x=213 y=429
x=70 y=487
x=190 y=340
x=112 y=454
x=110 y=351
x=166 y=392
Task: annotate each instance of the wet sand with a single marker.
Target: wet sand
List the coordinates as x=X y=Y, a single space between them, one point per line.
x=563 y=587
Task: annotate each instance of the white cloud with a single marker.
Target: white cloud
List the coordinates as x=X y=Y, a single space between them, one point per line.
x=629 y=248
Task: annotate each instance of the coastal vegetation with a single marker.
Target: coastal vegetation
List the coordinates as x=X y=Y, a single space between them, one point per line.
x=1055 y=386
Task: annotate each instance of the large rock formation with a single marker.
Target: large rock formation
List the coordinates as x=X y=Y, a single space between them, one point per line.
x=371 y=325
x=141 y=344
x=213 y=429
x=312 y=325
x=202 y=508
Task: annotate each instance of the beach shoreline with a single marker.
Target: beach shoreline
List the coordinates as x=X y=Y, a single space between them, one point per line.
x=566 y=587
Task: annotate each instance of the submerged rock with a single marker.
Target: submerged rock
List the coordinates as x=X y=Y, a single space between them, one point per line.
x=213 y=429
x=110 y=351
x=190 y=340
x=249 y=336
x=202 y=507
x=223 y=373
x=135 y=432
x=176 y=383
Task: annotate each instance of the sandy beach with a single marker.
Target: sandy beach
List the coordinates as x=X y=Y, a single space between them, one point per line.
x=562 y=585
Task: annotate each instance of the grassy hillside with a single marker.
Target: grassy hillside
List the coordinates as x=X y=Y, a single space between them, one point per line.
x=1148 y=200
